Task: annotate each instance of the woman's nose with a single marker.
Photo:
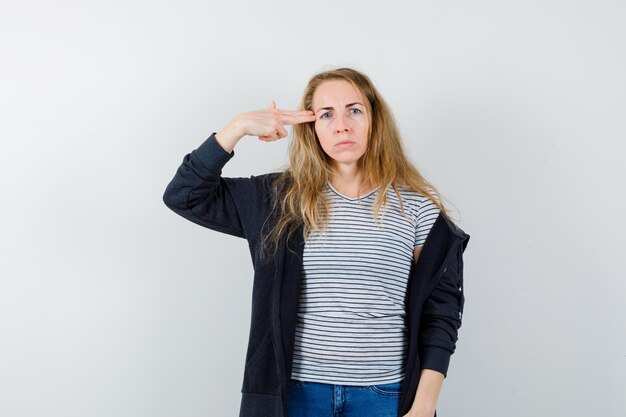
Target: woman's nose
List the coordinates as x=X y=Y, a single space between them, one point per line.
x=341 y=124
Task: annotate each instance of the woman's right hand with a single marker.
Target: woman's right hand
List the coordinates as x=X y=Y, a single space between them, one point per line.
x=268 y=124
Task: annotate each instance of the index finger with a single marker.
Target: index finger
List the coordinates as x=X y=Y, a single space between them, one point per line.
x=297 y=117
x=290 y=112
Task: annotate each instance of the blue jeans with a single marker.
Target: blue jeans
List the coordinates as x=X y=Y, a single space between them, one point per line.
x=312 y=399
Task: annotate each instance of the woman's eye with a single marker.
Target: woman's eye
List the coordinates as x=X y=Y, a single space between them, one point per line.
x=356 y=110
x=322 y=116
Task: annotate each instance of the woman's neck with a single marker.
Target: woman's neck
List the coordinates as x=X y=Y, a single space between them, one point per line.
x=347 y=179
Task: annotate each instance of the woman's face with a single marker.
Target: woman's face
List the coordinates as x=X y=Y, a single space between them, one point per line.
x=341 y=121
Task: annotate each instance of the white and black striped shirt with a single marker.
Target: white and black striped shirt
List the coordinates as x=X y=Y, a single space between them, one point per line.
x=351 y=319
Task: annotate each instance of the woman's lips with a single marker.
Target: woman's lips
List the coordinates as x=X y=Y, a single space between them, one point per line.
x=345 y=144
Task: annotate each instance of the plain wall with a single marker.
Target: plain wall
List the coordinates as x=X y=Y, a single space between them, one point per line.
x=112 y=305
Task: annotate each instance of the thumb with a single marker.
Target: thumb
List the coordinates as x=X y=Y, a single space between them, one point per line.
x=272 y=104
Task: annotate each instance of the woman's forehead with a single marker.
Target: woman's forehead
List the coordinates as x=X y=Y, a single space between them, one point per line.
x=334 y=92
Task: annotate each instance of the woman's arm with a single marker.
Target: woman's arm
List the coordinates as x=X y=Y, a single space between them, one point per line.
x=199 y=193
x=430 y=384
x=440 y=321
x=429 y=387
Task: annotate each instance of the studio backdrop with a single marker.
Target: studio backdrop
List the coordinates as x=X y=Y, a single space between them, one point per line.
x=112 y=305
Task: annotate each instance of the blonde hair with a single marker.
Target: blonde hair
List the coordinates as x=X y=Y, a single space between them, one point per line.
x=298 y=196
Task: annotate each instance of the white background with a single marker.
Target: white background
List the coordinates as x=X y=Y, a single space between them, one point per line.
x=112 y=305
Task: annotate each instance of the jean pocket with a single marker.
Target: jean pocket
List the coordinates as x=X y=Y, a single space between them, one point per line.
x=393 y=389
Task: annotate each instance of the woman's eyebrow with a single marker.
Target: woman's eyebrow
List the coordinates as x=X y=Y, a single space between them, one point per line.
x=332 y=108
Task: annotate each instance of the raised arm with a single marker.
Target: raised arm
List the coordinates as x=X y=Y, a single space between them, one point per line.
x=199 y=193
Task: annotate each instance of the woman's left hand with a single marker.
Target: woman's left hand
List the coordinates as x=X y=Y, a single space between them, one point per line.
x=420 y=411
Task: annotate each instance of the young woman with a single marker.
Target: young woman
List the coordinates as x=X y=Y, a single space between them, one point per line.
x=358 y=269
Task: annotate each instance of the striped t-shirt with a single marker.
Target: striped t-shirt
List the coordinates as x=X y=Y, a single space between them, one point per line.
x=351 y=320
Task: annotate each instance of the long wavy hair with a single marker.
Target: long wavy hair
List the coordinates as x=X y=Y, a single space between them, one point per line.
x=298 y=194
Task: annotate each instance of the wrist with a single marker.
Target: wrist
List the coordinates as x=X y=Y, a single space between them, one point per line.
x=424 y=404
x=229 y=136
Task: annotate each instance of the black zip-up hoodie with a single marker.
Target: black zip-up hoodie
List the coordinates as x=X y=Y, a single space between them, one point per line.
x=239 y=207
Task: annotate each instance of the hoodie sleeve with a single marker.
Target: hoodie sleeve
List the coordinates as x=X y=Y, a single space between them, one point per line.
x=441 y=315
x=200 y=194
